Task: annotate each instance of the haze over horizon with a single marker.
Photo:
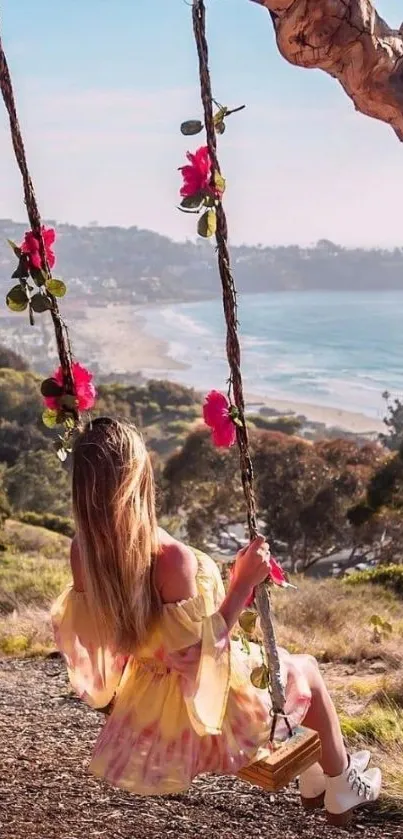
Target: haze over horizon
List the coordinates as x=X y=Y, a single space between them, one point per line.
x=101 y=91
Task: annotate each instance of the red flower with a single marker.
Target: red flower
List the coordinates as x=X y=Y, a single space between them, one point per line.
x=30 y=247
x=83 y=385
x=277 y=575
x=197 y=175
x=216 y=413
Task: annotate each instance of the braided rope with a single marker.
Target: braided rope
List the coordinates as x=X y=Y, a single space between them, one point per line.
x=60 y=328
x=229 y=293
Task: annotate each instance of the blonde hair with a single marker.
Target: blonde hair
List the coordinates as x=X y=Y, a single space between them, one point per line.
x=114 y=512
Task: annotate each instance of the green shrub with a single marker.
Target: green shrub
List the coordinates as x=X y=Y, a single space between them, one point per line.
x=11 y=359
x=177 y=426
x=389 y=576
x=286 y=425
x=38 y=483
x=190 y=411
x=58 y=524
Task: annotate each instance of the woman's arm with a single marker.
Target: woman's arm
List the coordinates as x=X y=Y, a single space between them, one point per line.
x=177 y=568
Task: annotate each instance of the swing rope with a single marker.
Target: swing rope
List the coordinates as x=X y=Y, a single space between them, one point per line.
x=229 y=295
x=60 y=328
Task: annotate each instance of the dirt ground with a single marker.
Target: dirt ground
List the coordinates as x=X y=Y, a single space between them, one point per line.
x=46 y=737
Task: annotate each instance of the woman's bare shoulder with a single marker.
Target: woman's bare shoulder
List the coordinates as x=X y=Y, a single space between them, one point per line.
x=176 y=570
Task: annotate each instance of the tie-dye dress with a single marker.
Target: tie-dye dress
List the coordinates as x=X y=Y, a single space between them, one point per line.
x=184 y=705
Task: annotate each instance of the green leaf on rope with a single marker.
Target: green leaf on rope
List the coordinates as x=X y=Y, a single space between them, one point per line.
x=260 y=677
x=40 y=303
x=50 y=418
x=234 y=414
x=221 y=114
x=247 y=621
x=17 y=299
x=220 y=182
x=191 y=126
x=22 y=270
x=39 y=276
x=56 y=287
x=219 y=123
x=50 y=387
x=192 y=202
x=15 y=248
x=207 y=225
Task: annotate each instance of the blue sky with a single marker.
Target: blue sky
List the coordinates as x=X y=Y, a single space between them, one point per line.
x=102 y=86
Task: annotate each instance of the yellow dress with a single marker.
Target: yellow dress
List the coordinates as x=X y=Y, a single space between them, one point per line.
x=184 y=705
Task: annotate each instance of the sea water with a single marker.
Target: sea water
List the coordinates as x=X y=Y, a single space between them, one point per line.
x=333 y=349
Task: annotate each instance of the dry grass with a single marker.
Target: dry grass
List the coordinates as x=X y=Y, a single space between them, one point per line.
x=377 y=724
x=380 y=729
x=390 y=691
x=28 y=539
x=33 y=571
x=26 y=632
x=365 y=688
x=332 y=621
x=28 y=581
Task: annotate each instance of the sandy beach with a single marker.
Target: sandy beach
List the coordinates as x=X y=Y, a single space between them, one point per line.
x=330 y=417
x=114 y=337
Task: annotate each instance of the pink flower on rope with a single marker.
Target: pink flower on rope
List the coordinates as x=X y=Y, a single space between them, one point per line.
x=30 y=247
x=197 y=175
x=276 y=574
x=216 y=413
x=83 y=386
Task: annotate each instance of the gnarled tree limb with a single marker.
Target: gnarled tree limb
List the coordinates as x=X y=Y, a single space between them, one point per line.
x=350 y=41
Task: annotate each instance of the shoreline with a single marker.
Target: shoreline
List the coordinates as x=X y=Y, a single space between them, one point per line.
x=116 y=338
x=351 y=421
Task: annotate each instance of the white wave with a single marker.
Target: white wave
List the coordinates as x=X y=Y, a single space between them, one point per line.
x=185 y=323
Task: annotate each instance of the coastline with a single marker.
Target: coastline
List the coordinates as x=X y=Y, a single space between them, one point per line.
x=351 y=421
x=116 y=337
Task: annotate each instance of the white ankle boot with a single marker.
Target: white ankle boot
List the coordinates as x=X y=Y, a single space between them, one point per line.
x=312 y=783
x=348 y=791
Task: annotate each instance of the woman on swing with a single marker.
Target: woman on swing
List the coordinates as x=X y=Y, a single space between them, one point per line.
x=146 y=626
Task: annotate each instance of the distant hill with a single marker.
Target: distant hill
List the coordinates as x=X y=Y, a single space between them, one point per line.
x=139 y=266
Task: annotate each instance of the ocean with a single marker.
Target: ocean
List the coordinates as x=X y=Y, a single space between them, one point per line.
x=328 y=349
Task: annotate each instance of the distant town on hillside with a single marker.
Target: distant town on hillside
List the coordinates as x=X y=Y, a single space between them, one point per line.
x=131 y=265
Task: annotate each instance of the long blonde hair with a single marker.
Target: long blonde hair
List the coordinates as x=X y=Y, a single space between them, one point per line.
x=114 y=512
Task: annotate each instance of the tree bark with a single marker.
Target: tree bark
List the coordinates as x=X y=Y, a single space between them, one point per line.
x=351 y=42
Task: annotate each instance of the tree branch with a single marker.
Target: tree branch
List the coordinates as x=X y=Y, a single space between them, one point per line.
x=350 y=41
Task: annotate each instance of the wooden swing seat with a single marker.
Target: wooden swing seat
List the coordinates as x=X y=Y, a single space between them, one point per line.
x=289 y=759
